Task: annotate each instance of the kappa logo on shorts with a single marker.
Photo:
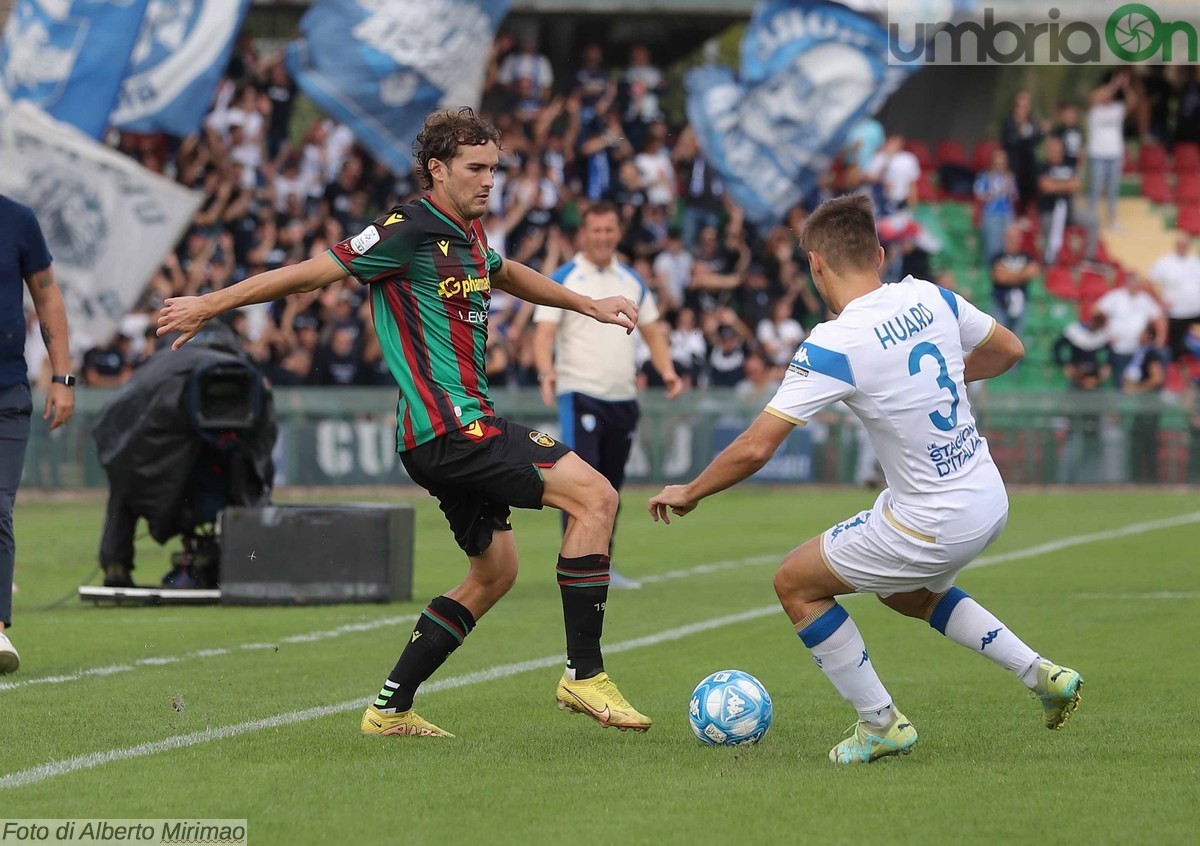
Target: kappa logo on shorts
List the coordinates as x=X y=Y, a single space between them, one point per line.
x=541 y=439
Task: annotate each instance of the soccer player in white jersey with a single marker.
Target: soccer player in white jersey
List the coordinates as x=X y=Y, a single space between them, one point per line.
x=900 y=357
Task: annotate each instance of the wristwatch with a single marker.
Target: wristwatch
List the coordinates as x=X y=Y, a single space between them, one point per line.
x=67 y=380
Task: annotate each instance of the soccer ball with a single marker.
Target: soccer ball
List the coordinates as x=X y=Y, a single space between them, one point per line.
x=730 y=708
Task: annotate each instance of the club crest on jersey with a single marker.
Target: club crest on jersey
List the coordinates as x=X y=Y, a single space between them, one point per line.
x=541 y=439
x=364 y=240
x=452 y=287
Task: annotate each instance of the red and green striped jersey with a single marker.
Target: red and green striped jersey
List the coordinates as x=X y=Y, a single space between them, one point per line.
x=430 y=287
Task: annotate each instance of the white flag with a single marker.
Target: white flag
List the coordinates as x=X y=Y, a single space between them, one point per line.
x=107 y=220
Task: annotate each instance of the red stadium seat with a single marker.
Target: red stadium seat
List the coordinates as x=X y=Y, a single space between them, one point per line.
x=1187 y=157
x=921 y=150
x=1069 y=253
x=1060 y=282
x=951 y=153
x=981 y=159
x=1155 y=187
x=1092 y=285
x=1187 y=189
x=1152 y=158
x=1189 y=219
x=927 y=192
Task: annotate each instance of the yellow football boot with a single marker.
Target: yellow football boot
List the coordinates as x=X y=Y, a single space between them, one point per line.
x=599 y=698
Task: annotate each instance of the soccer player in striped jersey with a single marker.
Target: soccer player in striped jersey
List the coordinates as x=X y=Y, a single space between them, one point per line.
x=430 y=272
x=900 y=356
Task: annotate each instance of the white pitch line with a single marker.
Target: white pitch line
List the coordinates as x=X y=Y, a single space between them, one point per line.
x=53 y=769
x=1079 y=540
x=1121 y=597
x=163 y=660
x=33 y=775
x=670 y=575
x=349 y=628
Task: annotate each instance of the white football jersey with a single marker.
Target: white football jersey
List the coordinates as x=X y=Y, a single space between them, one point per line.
x=895 y=357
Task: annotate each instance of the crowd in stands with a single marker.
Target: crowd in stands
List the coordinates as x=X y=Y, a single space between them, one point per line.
x=738 y=299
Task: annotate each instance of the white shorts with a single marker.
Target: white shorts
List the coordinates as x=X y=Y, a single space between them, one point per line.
x=873 y=553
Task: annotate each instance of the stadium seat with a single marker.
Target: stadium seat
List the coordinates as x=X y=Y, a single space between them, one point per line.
x=1060 y=281
x=1187 y=189
x=951 y=153
x=1092 y=285
x=1187 y=157
x=1068 y=254
x=1156 y=188
x=1189 y=219
x=927 y=192
x=981 y=158
x=921 y=150
x=1152 y=158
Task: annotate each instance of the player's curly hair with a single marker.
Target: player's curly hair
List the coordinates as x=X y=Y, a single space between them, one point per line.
x=842 y=231
x=443 y=133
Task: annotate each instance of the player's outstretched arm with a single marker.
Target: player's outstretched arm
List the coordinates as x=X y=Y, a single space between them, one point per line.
x=531 y=286
x=994 y=356
x=737 y=462
x=187 y=315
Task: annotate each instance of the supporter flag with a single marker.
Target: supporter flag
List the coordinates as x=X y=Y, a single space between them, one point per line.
x=67 y=56
x=380 y=66
x=809 y=71
x=181 y=51
x=107 y=220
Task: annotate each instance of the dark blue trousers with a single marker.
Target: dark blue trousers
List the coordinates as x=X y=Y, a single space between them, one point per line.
x=16 y=405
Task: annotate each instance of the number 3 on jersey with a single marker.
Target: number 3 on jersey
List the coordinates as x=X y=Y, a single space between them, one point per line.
x=919 y=352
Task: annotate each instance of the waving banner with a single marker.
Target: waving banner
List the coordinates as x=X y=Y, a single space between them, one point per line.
x=380 y=66
x=181 y=51
x=68 y=56
x=107 y=220
x=809 y=71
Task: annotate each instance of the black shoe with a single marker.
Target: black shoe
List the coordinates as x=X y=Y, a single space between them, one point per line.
x=118 y=577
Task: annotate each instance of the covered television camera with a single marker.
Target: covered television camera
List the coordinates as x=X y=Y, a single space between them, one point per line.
x=189 y=434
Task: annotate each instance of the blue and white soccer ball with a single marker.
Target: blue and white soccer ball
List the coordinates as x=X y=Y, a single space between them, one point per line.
x=730 y=708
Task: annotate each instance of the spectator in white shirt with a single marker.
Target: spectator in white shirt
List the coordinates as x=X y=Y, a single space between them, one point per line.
x=641 y=70
x=655 y=167
x=1106 y=139
x=1131 y=310
x=780 y=334
x=897 y=172
x=672 y=272
x=528 y=64
x=1177 y=278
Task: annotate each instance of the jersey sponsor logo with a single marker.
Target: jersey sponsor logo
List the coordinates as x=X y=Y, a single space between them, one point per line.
x=952 y=455
x=802 y=357
x=365 y=240
x=444 y=246
x=541 y=439
x=480 y=317
x=452 y=287
x=394 y=217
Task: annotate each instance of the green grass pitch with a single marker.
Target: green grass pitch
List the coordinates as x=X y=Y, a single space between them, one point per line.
x=263 y=704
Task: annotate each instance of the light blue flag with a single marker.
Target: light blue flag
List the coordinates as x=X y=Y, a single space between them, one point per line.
x=810 y=71
x=181 y=51
x=69 y=56
x=381 y=66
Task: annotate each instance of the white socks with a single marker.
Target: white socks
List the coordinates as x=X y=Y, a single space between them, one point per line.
x=966 y=622
x=839 y=650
